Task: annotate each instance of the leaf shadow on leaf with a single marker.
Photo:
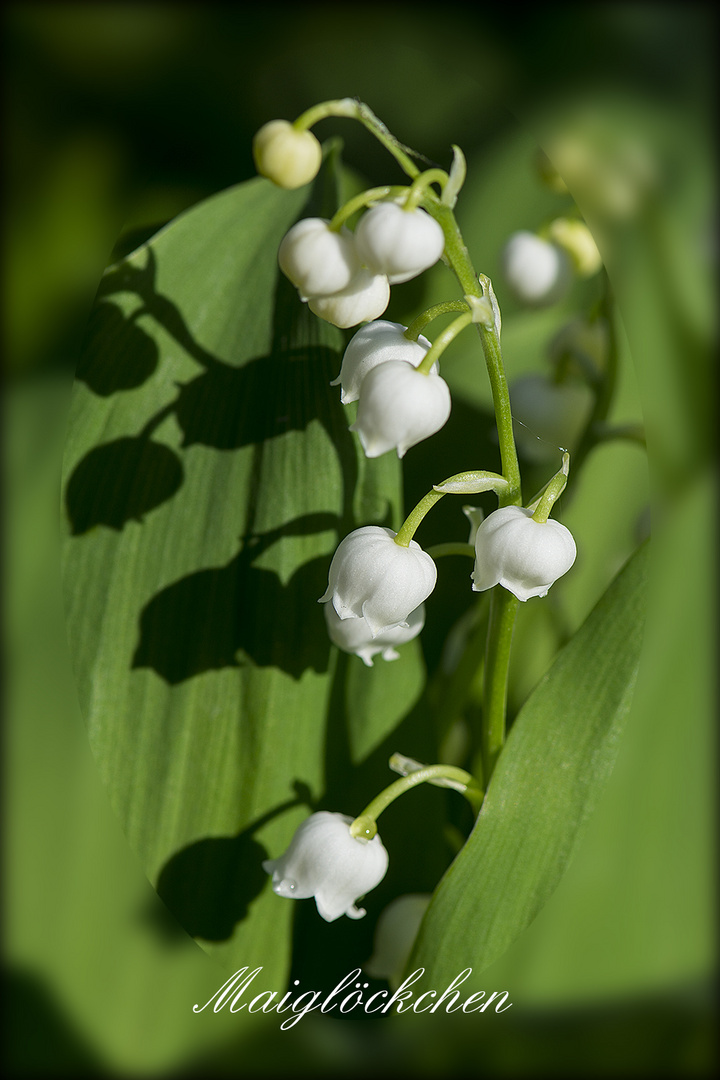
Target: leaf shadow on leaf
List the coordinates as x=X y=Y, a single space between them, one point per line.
x=210 y=884
x=121 y=481
x=117 y=354
x=225 y=407
x=204 y=620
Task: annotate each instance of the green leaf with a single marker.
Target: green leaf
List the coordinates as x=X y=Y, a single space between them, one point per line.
x=557 y=758
x=209 y=477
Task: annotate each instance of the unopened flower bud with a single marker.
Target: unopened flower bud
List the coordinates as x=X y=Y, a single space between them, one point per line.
x=363 y=300
x=397 y=242
x=324 y=860
x=374 y=578
x=399 y=407
x=355 y=635
x=288 y=157
x=317 y=259
x=575 y=238
x=537 y=271
x=523 y=555
x=374 y=344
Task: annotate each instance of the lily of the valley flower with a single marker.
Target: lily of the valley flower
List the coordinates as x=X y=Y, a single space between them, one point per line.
x=398 y=242
x=399 y=407
x=374 y=344
x=537 y=271
x=523 y=555
x=288 y=157
x=326 y=862
x=373 y=578
x=364 y=299
x=355 y=635
x=317 y=259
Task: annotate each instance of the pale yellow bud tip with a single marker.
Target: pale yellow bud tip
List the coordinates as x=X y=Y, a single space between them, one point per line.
x=288 y=157
x=577 y=240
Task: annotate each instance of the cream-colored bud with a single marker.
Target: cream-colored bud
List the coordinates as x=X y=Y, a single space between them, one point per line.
x=288 y=157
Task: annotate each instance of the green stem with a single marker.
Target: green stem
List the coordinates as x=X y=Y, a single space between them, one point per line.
x=422 y=183
x=358 y=110
x=418 y=325
x=442 y=341
x=359 y=201
x=503 y=608
x=408 y=527
x=364 y=824
x=458 y=256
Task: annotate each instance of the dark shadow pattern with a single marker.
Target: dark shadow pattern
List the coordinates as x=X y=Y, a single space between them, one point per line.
x=239 y=614
x=210 y=884
x=118 y=354
x=121 y=481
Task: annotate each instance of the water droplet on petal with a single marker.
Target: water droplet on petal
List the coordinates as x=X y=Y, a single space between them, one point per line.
x=286 y=887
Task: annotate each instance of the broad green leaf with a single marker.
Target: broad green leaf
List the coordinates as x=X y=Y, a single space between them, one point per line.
x=209 y=477
x=557 y=758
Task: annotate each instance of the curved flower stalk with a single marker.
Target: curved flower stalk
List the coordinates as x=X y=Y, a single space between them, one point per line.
x=318 y=260
x=398 y=242
x=355 y=636
x=374 y=578
x=523 y=555
x=325 y=861
x=373 y=344
x=537 y=271
x=289 y=157
x=398 y=407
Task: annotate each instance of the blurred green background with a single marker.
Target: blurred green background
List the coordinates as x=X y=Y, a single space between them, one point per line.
x=120 y=116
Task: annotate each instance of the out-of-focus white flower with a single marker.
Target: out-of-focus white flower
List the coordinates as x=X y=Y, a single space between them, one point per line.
x=551 y=415
x=325 y=861
x=364 y=299
x=399 y=407
x=374 y=578
x=355 y=635
x=522 y=555
x=317 y=259
x=395 y=935
x=537 y=271
x=397 y=242
x=374 y=344
x=288 y=157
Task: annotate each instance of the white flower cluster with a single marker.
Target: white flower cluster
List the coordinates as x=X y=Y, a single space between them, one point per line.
x=345 y=277
x=398 y=406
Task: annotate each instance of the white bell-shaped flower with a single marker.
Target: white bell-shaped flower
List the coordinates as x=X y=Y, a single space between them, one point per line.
x=317 y=259
x=288 y=157
x=374 y=578
x=523 y=555
x=364 y=299
x=397 y=242
x=537 y=271
x=374 y=344
x=325 y=861
x=355 y=635
x=399 y=407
